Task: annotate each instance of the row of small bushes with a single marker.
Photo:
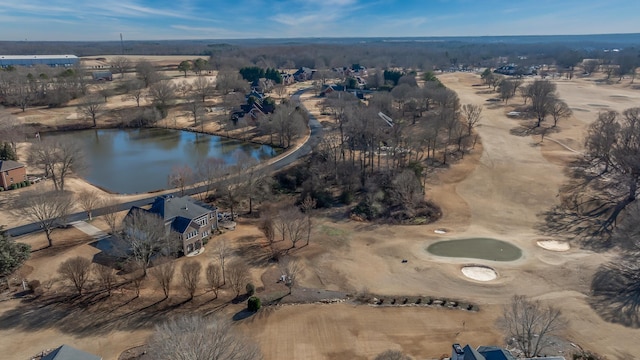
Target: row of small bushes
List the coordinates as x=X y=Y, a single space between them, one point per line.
x=18 y=185
x=425 y=301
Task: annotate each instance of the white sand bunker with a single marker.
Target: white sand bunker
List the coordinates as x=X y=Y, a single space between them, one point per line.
x=440 y=231
x=554 y=245
x=479 y=273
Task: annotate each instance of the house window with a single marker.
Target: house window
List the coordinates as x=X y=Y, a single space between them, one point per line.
x=205 y=233
x=192 y=234
x=202 y=221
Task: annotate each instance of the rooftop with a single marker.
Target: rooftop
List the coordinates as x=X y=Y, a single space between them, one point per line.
x=6 y=165
x=25 y=57
x=66 y=352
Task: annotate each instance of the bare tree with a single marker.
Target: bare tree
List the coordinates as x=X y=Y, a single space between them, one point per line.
x=307 y=206
x=47 y=208
x=214 y=277
x=111 y=214
x=525 y=93
x=601 y=138
x=267 y=226
x=106 y=276
x=145 y=236
x=162 y=94
x=77 y=271
x=620 y=188
x=135 y=91
x=120 y=64
x=221 y=251
x=559 y=110
x=230 y=81
x=392 y=355
x=543 y=95
x=203 y=88
x=238 y=276
x=292 y=223
x=163 y=273
x=590 y=66
x=506 y=89
x=57 y=159
x=89 y=200
x=195 y=338
x=12 y=130
x=134 y=275
x=472 y=114
x=147 y=73
x=291 y=269
x=531 y=324
x=196 y=110
x=181 y=177
x=210 y=171
x=190 y=272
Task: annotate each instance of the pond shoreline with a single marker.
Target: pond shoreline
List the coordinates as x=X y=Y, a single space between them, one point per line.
x=130 y=161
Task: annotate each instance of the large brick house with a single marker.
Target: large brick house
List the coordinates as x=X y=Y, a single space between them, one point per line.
x=194 y=223
x=11 y=172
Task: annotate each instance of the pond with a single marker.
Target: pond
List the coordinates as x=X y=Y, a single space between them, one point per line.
x=476 y=248
x=131 y=161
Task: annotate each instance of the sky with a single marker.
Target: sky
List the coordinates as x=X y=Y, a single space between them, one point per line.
x=77 y=20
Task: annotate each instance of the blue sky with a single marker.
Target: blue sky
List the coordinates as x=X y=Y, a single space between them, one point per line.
x=233 y=19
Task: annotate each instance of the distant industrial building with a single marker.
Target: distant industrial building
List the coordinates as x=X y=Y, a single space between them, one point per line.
x=33 y=60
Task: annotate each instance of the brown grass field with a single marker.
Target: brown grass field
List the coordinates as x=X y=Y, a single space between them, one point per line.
x=498 y=191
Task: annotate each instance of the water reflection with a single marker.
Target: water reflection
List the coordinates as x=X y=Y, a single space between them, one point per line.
x=140 y=160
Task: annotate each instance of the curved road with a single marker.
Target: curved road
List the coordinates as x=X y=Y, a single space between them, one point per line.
x=313 y=140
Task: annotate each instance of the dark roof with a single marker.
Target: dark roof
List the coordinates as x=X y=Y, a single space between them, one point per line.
x=495 y=353
x=169 y=207
x=66 y=352
x=177 y=212
x=6 y=165
x=472 y=354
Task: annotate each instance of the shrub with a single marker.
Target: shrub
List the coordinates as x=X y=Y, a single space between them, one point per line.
x=429 y=301
x=34 y=284
x=346 y=197
x=14 y=186
x=254 y=304
x=251 y=289
x=27 y=183
x=419 y=301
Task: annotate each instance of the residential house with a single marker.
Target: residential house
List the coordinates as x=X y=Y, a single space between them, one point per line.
x=303 y=74
x=287 y=79
x=194 y=222
x=102 y=75
x=11 y=172
x=328 y=89
x=66 y=352
x=482 y=353
x=488 y=353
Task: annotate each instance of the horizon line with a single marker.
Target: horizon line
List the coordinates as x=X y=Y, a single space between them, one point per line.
x=334 y=37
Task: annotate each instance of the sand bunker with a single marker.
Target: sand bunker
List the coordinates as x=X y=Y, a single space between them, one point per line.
x=440 y=231
x=479 y=273
x=554 y=245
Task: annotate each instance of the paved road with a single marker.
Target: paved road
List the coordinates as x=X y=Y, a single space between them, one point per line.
x=305 y=149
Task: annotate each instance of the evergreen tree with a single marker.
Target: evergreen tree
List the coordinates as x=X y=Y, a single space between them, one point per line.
x=7 y=152
x=12 y=254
